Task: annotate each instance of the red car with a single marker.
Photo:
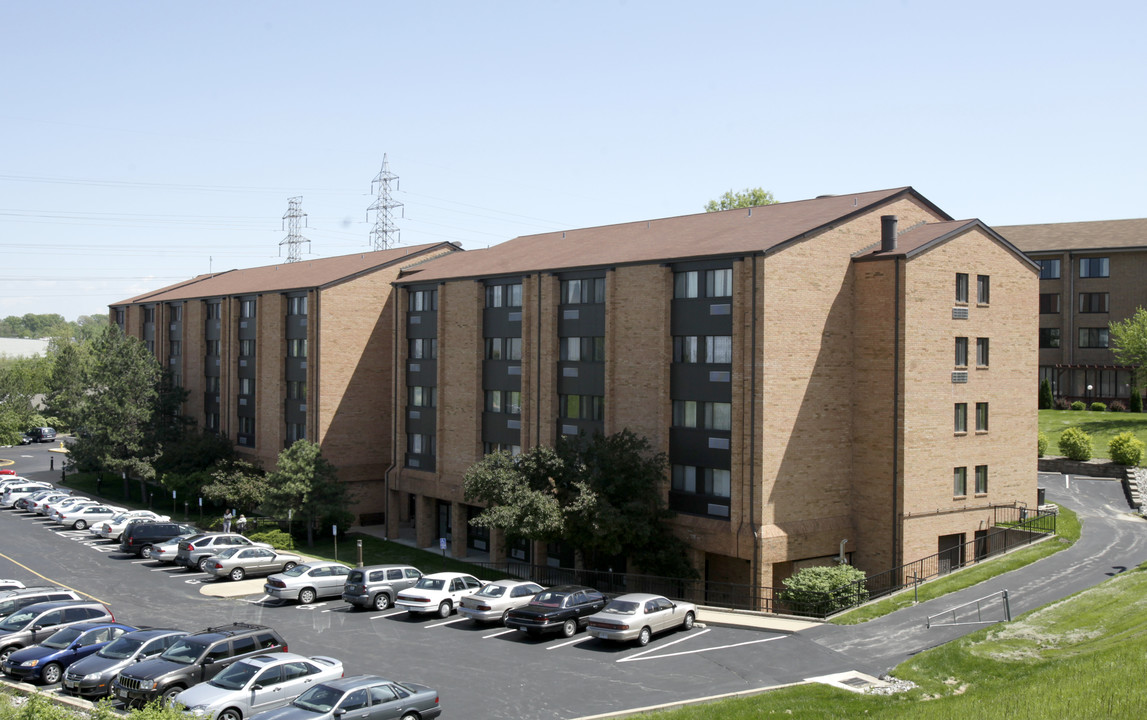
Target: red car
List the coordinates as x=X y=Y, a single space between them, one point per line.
x=6 y=471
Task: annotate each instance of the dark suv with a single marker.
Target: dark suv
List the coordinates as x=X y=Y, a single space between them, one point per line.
x=194 y=659
x=138 y=539
x=377 y=585
x=13 y=600
x=33 y=624
x=39 y=434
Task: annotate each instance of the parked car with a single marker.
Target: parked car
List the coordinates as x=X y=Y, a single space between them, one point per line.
x=33 y=502
x=260 y=683
x=563 y=609
x=237 y=562
x=92 y=677
x=640 y=616
x=13 y=600
x=194 y=659
x=84 y=517
x=376 y=586
x=18 y=490
x=33 y=624
x=8 y=584
x=7 y=471
x=113 y=529
x=138 y=539
x=40 y=435
x=54 y=511
x=438 y=593
x=361 y=696
x=308 y=582
x=194 y=551
x=46 y=662
x=495 y=600
x=165 y=552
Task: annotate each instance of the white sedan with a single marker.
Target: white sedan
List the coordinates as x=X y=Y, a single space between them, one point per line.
x=495 y=600
x=84 y=517
x=68 y=506
x=437 y=593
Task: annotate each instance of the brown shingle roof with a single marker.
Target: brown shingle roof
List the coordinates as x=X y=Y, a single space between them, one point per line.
x=286 y=276
x=921 y=238
x=730 y=232
x=1098 y=235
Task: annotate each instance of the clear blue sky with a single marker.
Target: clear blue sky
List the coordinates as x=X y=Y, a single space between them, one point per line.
x=146 y=142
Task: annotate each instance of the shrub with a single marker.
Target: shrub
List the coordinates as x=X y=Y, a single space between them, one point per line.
x=1041 y=444
x=1098 y=407
x=1045 y=398
x=1079 y=405
x=1125 y=449
x=1117 y=406
x=1062 y=404
x=823 y=590
x=1136 y=401
x=1075 y=444
x=277 y=539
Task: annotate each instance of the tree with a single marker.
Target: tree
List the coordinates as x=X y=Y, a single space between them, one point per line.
x=1129 y=344
x=68 y=384
x=21 y=381
x=749 y=197
x=238 y=484
x=307 y=483
x=1046 y=401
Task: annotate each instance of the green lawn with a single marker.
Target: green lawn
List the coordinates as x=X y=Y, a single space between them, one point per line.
x=1101 y=426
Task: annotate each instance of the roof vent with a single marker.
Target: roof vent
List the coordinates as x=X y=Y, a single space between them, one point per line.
x=887 y=233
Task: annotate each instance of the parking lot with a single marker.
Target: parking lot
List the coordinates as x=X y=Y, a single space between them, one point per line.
x=481 y=671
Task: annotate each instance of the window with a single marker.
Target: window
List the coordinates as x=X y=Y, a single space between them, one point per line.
x=503 y=348
x=213 y=309
x=492 y=447
x=583 y=349
x=1049 y=269
x=707 y=415
x=297 y=305
x=213 y=347
x=719 y=283
x=212 y=421
x=176 y=347
x=246 y=308
x=424 y=348
x=582 y=407
x=685 y=284
x=1093 y=267
x=983 y=285
x=246 y=425
x=961 y=287
x=961 y=352
x=246 y=386
x=716 y=349
x=1093 y=337
x=981 y=479
x=119 y=317
x=960 y=481
x=580 y=292
x=1049 y=303
x=423 y=396
x=420 y=444
x=981 y=352
x=297 y=390
x=295 y=432
x=504 y=295
x=1049 y=337
x=297 y=347
x=719 y=348
x=981 y=417
x=176 y=313
x=423 y=300
x=1094 y=302
x=961 y=417
x=702 y=480
x=149 y=314
x=246 y=348
x=211 y=383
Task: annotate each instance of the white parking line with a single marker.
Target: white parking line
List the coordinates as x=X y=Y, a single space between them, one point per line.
x=569 y=642
x=690 y=636
x=701 y=650
x=503 y=632
x=448 y=622
x=389 y=614
x=344 y=608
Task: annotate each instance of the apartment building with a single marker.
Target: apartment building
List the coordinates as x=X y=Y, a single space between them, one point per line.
x=849 y=372
x=1091 y=274
x=273 y=354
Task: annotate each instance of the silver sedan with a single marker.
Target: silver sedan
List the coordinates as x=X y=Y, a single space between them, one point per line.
x=495 y=600
x=239 y=562
x=258 y=684
x=638 y=616
x=306 y=583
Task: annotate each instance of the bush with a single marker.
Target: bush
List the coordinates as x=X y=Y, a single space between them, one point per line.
x=1041 y=444
x=1117 y=406
x=1098 y=407
x=1062 y=404
x=823 y=590
x=1045 y=398
x=276 y=538
x=1136 y=401
x=1075 y=444
x=1125 y=449
x=1079 y=405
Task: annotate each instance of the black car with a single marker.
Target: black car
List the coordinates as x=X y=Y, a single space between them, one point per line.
x=194 y=659
x=563 y=609
x=138 y=539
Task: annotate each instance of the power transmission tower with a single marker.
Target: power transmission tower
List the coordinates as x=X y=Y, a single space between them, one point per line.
x=385 y=233
x=291 y=220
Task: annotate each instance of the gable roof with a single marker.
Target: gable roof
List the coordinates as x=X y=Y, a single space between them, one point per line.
x=319 y=273
x=922 y=238
x=1097 y=235
x=730 y=232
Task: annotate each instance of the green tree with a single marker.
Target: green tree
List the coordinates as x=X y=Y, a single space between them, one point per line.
x=238 y=484
x=22 y=380
x=1129 y=344
x=1046 y=401
x=749 y=197
x=307 y=483
x=67 y=387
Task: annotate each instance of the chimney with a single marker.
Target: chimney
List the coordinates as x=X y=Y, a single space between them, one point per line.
x=887 y=233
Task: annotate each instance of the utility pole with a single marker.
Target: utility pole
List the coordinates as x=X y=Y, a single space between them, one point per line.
x=385 y=233
x=291 y=220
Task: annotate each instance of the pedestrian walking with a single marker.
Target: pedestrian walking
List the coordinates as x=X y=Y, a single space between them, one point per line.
x=241 y=524
x=227 y=521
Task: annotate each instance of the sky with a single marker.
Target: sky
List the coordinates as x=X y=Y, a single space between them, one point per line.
x=142 y=143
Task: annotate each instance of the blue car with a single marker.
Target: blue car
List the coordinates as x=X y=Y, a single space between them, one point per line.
x=46 y=662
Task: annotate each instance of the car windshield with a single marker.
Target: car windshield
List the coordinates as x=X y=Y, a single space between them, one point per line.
x=62 y=638
x=430 y=584
x=549 y=599
x=318 y=699
x=492 y=590
x=17 y=620
x=184 y=651
x=228 y=552
x=121 y=648
x=118 y=518
x=622 y=607
x=297 y=570
x=235 y=677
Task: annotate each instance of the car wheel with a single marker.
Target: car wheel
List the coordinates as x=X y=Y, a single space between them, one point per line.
x=689 y=618
x=202 y=564
x=505 y=614
x=230 y=714
x=7 y=651
x=409 y=716
x=80 y=525
x=167 y=699
x=444 y=609
x=381 y=601
x=51 y=674
x=569 y=627
x=643 y=637
x=237 y=574
x=288 y=566
x=145 y=552
x=306 y=596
